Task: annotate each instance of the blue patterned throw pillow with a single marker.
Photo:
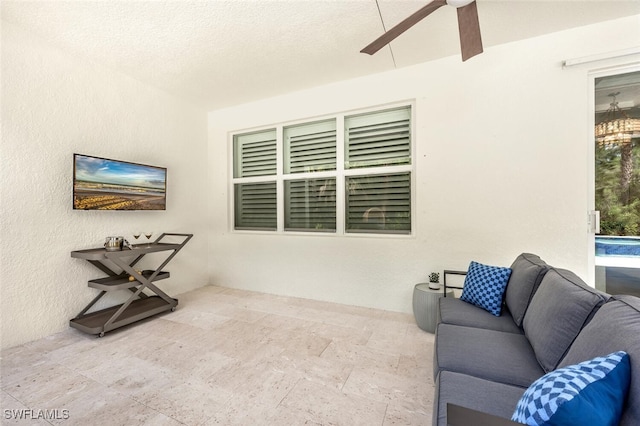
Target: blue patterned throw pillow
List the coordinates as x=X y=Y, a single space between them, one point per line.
x=590 y=393
x=484 y=286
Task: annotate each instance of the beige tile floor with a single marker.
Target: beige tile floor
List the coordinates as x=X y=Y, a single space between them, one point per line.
x=229 y=357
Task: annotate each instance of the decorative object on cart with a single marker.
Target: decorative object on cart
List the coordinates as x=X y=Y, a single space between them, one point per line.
x=121 y=275
x=114 y=243
x=434 y=281
x=104 y=184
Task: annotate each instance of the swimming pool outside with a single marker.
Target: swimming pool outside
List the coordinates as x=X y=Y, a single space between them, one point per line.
x=620 y=252
x=617 y=246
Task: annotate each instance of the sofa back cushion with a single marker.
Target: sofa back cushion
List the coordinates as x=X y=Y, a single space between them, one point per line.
x=527 y=272
x=616 y=326
x=560 y=308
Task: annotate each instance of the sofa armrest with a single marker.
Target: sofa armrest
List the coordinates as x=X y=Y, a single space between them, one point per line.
x=463 y=416
x=444 y=279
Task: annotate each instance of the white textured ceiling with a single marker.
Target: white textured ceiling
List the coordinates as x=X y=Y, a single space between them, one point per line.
x=221 y=53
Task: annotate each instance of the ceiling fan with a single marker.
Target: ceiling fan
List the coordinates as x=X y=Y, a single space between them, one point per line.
x=468 y=26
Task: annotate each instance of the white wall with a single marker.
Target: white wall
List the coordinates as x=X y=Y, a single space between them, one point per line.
x=55 y=104
x=502 y=151
x=501 y=155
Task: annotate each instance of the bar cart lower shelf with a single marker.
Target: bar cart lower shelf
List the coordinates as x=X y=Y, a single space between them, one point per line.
x=94 y=322
x=121 y=275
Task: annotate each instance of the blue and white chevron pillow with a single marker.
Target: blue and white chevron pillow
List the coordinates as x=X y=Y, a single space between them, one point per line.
x=484 y=286
x=590 y=393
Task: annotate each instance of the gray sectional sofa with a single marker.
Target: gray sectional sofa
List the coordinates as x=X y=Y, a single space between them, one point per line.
x=550 y=319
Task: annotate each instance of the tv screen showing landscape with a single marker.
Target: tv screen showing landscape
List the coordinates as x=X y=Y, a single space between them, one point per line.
x=103 y=184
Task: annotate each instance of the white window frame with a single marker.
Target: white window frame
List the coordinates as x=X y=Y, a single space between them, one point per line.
x=340 y=174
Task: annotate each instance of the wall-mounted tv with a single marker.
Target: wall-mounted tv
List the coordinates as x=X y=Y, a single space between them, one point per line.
x=103 y=184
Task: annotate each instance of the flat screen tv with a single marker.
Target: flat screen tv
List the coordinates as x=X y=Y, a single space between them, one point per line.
x=103 y=184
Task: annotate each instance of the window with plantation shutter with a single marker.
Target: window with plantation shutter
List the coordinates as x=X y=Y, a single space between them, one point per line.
x=255 y=154
x=378 y=139
x=344 y=174
x=310 y=205
x=255 y=206
x=310 y=147
x=379 y=203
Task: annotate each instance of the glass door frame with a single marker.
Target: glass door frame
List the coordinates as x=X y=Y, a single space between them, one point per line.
x=591 y=163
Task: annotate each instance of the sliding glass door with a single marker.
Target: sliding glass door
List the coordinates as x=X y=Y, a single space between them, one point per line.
x=617 y=182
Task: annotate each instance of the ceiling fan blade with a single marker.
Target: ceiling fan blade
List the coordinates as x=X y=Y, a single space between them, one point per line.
x=403 y=26
x=469 y=27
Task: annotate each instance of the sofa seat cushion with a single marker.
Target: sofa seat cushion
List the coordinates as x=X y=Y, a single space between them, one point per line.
x=589 y=393
x=457 y=312
x=615 y=327
x=560 y=308
x=472 y=392
x=527 y=272
x=488 y=354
